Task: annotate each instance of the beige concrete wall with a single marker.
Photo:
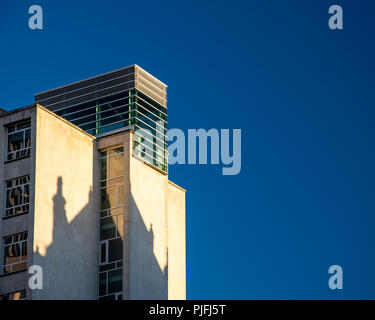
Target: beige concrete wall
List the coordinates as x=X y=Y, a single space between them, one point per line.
x=64 y=232
x=148 y=263
x=65 y=238
x=176 y=243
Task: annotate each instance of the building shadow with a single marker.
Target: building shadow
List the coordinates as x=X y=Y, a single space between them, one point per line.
x=148 y=280
x=68 y=260
x=71 y=262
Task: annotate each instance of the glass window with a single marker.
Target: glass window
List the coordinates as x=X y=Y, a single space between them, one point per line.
x=17 y=196
x=102 y=283
x=100 y=115
x=103 y=252
x=111 y=223
x=120 y=225
x=108 y=198
x=116 y=165
x=19 y=140
x=103 y=166
x=115 y=281
x=15 y=252
x=110 y=284
x=19 y=295
x=111 y=297
x=115 y=250
x=107 y=228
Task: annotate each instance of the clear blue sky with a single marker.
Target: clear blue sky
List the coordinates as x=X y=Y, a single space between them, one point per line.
x=302 y=94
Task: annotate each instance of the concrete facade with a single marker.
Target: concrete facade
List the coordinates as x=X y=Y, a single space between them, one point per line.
x=148 y=232
x=154 y=228
x=14 y=282
x=176 y=242
x=65 y=226
x=63 y=220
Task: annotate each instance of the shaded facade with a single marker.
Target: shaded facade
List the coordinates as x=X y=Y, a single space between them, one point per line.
x=101 y=219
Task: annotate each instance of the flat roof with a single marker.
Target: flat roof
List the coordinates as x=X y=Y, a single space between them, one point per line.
x=8 y=113
x=100 y=75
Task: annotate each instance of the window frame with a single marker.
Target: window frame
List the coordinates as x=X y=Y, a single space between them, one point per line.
x=107 y=294
x=20 y=242
x=23 y=185
x=114 y=211
x=16 y=130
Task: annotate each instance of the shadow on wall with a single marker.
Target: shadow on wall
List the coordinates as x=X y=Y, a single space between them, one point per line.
x=68 y=259
x=148 y=280
x=71 y=263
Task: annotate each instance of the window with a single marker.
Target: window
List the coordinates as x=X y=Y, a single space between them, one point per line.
x=110 y=284
x=112 y=227
x=150 y=125
x=19 y=140
x=111 y=224
x=15 y=252
x=17 y=196
x=111 y=251
x=19 y=295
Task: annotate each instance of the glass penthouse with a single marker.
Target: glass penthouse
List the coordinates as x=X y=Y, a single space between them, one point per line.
x=128 y=97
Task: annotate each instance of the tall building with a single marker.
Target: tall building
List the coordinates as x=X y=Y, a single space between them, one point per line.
x=84 y=175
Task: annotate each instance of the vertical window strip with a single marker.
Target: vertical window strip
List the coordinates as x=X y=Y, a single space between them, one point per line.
x=111 y=225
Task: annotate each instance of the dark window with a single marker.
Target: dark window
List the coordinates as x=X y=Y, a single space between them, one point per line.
x=110 y=285
x=107 y=228
x=103 y=253
x=115 y=250
x=111 y=297
x=103 y=284
x=115 y=281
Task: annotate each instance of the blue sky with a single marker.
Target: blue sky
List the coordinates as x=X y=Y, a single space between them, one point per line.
x=302 y=94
